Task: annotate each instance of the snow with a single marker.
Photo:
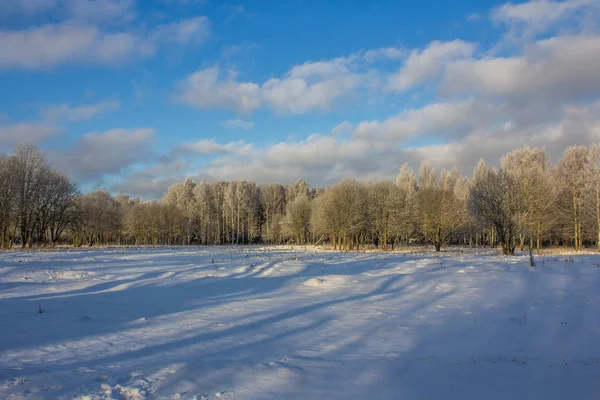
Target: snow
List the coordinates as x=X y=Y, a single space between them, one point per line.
x=276 y=323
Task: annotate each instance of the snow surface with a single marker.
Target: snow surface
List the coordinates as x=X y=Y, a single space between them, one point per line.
x=274 y=323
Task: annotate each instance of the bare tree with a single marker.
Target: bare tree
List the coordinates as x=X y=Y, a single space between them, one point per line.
x=100 y=218
x=8 y=198
x=385 y=204
x=594 y=170
x=30 y=166
x=572 y=173
x=273 y=200
x=494 y=200
x=297 y=219
x=60 y=205
x=341 y=213
x=406 y=218
x=528 y=168
x=440 y=210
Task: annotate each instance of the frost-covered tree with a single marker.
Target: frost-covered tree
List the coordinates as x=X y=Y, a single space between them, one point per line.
x=273 y=201
x=100 y=219
x=494 y=200
x=572 y=174
x=296 y=222
x=440 y=210
x=29 y=167
x=594 y=171
x=341 y=213
x=406 y=219
x=528 y=168
x=385 y=207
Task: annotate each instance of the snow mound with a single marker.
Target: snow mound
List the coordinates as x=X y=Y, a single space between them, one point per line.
x=329 y=282
x=314 y=282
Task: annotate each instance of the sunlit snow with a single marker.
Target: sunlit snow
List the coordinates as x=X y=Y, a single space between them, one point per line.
x=283 y=323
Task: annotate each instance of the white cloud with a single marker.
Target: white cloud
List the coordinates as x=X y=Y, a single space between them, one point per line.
x=238 y=123
x=306 y=87
x=323 y=159
x=537 y=12
x=50 y=45
x=543 y=93
x=423 y=65
x=95 y=155
x=90 y=32
x=327 y=158
x=574 y=125
x=211 y=147
x=12 y=135
x=445 y=119
x=538 y=18
x=206 y=89
x=555 y=70
x=297 y=96
x=81 y=113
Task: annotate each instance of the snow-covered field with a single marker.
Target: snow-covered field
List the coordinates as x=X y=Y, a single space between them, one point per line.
x=273 y=323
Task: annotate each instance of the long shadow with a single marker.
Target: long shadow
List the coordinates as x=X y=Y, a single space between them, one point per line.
x=206 y=292
x=242 y=330
x=203 y=291
x=522 y=349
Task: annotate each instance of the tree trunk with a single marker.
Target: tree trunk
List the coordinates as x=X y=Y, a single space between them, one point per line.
x=575 y=219
x=531 y=259
x=598 y=214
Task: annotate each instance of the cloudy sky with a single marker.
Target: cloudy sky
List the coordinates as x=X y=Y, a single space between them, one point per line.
x=136 y=95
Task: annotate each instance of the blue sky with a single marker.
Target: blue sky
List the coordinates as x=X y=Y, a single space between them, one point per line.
x=137 y=95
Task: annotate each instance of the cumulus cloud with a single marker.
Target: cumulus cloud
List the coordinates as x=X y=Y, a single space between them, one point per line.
x=95 y=155
x=34 y=133
x=544 y=92
x=444 y=119
x=315 y=90
x=538 y=13
x=90 y=32
x=210 y=146
x=327 y=158
x=423 y=65
x=209 y=89
x=81 y=113
x=559 y=68
x=542 y=18
x=573 y=125
x=305 y=87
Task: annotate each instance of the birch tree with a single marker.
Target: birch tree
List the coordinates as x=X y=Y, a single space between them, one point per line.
x=528 y=168
x=440 y=211
x=571 y=173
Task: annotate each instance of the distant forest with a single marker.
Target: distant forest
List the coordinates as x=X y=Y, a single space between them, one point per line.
x=527 y=202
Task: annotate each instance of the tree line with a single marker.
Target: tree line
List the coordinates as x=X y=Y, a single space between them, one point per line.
x=525 y=203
